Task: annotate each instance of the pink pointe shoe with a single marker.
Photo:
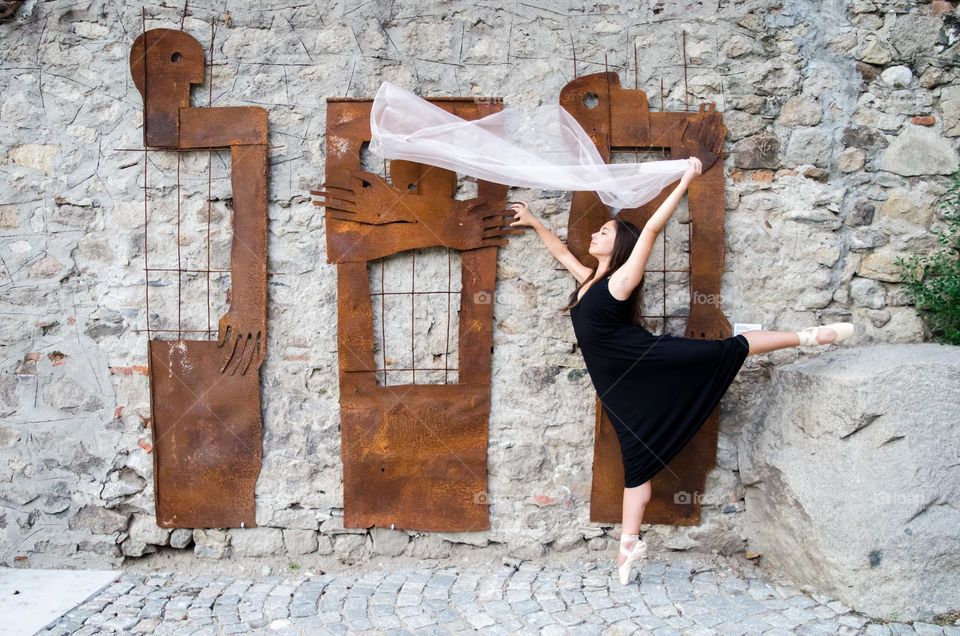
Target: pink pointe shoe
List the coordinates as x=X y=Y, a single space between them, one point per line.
x=638 y=552
x=808 y=336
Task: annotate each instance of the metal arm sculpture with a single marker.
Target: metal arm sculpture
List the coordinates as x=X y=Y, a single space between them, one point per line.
x=207 y=444
x=435 y=219
x=620 y=118
x=414 y=455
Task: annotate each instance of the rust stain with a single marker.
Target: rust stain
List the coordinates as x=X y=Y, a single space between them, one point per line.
x=139 y=369
x=58 y=358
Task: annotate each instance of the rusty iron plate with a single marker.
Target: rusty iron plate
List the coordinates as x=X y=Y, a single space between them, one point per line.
x=205 y=395
x=206 y=437
x=620 y=118
x=414 y=455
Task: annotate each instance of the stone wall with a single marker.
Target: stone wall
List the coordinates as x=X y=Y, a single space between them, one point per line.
x=843 y=120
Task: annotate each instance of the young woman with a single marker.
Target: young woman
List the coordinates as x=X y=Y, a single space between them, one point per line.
x=657 y=390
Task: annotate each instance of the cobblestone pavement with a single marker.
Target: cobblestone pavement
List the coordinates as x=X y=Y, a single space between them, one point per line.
x=677 y=594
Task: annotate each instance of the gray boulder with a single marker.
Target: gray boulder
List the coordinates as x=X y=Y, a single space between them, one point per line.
x=852 y=477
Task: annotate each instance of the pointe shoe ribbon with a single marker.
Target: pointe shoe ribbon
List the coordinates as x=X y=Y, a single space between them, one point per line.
x=808 y=336
x=638 y=552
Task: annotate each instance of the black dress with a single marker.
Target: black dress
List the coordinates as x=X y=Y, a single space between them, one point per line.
x=657 y=391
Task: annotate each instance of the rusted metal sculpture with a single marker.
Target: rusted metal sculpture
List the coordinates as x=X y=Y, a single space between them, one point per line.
x=619 y=118
x=205 y=394
x=414 y=455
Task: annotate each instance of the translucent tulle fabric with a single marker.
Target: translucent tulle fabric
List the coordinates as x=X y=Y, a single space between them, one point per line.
x=543 y=147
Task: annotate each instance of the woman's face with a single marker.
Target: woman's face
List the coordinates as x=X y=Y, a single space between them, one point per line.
x=601 y=241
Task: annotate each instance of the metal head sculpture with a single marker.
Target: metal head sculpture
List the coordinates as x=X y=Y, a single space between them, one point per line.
x=164 y=64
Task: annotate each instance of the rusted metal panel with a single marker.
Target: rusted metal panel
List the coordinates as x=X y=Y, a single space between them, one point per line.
x=414 y=455
x=205 y=394
x=620 y=118
x=206 y=437
x=243 y=330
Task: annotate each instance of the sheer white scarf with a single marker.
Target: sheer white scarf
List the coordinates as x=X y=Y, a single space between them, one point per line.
x=543 y=147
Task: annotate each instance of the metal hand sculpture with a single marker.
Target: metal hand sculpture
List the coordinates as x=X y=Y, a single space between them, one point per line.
x=368 y=199
x=457 y=224
x=701 y=135
x=235 y=330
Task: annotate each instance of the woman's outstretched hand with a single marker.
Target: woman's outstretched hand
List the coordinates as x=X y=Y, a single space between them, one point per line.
x=694 y=169
x=523 y=217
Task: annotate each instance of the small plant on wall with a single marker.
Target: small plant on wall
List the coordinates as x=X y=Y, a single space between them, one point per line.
x=932 y=280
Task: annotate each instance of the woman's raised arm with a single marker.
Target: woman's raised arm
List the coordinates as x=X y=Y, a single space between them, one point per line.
x=524 y=217
x=628 y=276
x=659 y=219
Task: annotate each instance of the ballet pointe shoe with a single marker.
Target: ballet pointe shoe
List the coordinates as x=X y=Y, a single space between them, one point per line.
x=808 y=336
x=638 y=552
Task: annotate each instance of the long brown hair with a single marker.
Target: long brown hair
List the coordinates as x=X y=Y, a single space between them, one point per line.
x=623 y=244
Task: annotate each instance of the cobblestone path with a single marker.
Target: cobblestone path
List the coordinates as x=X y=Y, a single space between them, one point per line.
x=678 y=594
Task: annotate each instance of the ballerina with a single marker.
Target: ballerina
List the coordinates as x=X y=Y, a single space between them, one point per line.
x=657 y=390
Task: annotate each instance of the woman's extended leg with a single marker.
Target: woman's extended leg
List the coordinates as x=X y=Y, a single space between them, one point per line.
x=635 y=501
x=766 y=341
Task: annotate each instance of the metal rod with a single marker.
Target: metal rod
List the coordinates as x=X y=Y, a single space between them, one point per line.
x=177 y=331
x=146 y=274
x=215 y=271
x=210 y=173
x=189 y=271
x=174 y=149
x=414 y=369
x=413 y=315
x=179 y=267
x=383 y=328
x=685 y=89
x=446 y=347
x=383 y=300
x=606 y=74
x=418 y=293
